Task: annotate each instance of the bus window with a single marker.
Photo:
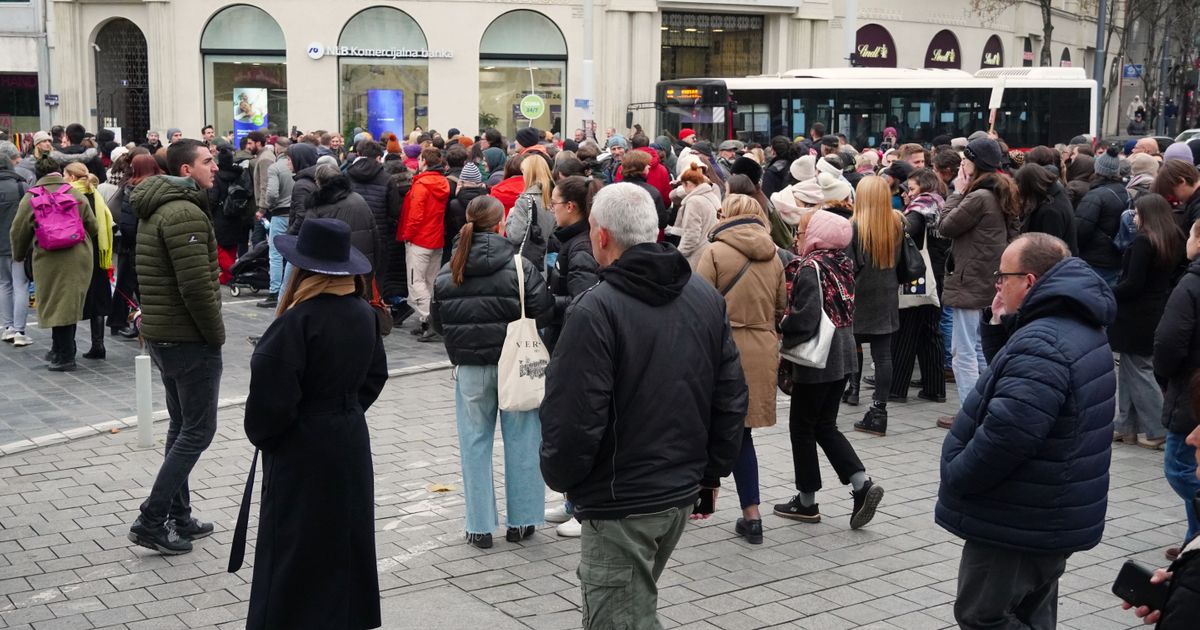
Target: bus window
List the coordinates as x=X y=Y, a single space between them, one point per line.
x=753 y=124
x=862 y=116
x=707 y=120
x=807 y=109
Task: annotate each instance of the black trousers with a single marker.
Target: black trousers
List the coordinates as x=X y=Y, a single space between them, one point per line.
x=812 y=421
x=62 y=341
x=919 y=338
x=127 y=287
x=881 y=356
x=1003 y=589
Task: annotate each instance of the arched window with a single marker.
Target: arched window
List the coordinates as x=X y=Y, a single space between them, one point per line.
x=943 y=51
x=383 y=93
x=122 y=82
x=993 y=53
x=245 y=72
x=522 y=73
x=874 y=47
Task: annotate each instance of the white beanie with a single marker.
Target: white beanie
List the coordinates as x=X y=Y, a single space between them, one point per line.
x=804 y=168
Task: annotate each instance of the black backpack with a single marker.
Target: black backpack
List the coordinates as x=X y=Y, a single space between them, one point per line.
x=238 y=198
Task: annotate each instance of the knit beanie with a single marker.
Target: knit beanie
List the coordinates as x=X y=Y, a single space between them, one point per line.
x=824 y=165
x=528 y=137
x=412 y=151
x=808 y=191
x=984 y=153
x=1178 y=151
x=393 y=146
x=470 y=173
x=171 y=132
x=1108 y=164
x=617 y=140
x=1144 y=164
x=833 y=188
x=804 y=168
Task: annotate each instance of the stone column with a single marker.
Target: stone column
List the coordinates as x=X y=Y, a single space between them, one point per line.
x=613 y=72
x=644 y=69
x=161 y=71
x=68 y=62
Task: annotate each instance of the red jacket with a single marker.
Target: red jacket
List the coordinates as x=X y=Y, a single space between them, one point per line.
x=424 y=211
x=508 y=190
x=657 y=175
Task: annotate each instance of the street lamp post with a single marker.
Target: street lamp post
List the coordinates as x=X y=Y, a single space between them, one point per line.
x=1098 y=65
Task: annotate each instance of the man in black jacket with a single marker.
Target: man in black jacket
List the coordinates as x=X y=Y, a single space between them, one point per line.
x=642 y=414
x=76 y=152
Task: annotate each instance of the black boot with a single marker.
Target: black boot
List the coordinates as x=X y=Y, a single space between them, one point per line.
x=850 y=397
x=97 y=350
x=875 y=420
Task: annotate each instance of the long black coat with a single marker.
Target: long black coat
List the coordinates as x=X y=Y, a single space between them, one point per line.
x=1054 y=216
x=1177 y=350
x=336 y=201
x=1098 y=217
x=313 y=375
x=1142 y=293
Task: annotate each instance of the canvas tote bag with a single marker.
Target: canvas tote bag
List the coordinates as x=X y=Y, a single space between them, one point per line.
x=521 y=374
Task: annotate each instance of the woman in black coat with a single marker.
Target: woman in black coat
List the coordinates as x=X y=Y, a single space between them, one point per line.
x=1046 y=204
x=572 y=268
x=313 y=375
x=1098 y=218
x=1147 y=270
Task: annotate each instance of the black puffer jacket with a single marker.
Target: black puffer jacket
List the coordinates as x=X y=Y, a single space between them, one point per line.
x=1177 y=350
x=394 y=283
x=645 y=395
x=456 y=212
x=337 y=201
x=1183 y=597
x=474 y=317
x=1097 y=220
x=574 y=271
x=369 y=179
x=304 y=165
x=775 y=176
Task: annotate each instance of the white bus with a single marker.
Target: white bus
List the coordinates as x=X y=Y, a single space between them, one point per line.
x=1038 y=105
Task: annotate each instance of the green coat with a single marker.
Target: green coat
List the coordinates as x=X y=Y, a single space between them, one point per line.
x=177 y=263
x=62 y=276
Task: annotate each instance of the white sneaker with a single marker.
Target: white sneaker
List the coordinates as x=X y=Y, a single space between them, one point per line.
x=21 y=339
x=570 y=529
x=558 y=514
x=8 y=334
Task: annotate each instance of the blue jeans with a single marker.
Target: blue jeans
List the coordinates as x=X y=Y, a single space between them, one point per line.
x=14 y=294
x=1108 y=274
x=191 y=376
x=475 y=411
x=279 y=225
x=947 y=325
x=967 y=350
x=1179 y=466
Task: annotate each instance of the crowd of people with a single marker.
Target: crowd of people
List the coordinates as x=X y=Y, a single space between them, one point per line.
x=677 y=284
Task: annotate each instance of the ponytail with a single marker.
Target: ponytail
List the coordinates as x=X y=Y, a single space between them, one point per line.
x=483 y=214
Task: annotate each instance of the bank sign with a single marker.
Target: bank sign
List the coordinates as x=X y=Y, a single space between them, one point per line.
x=316 y=50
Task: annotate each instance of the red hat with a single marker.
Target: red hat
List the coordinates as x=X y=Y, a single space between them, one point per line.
x=684 y=134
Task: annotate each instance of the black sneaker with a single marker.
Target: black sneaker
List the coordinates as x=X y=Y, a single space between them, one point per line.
x=163 y=539
x=193 y=529
x=865 y=502
x=271 y=301
x=517 y=534
x=62 y=365
x=401 y=312
x=419 y=329
x=429 y=336
x=798 y=512
x=483 y=541
x=931 y=397
x=751 y=530
x=253 y=339
x=873 y=422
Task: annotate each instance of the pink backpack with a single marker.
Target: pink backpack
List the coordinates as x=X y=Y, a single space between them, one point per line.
x=56 y=218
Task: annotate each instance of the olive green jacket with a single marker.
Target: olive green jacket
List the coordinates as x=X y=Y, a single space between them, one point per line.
x=177 y=263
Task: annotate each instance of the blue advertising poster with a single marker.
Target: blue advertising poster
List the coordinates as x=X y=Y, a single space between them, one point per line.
x=249 y=112
x=385 y=112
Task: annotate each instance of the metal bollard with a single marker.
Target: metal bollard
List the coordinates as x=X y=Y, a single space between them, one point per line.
x=141 y=364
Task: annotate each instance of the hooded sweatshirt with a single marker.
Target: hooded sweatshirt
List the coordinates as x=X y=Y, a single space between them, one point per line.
x=304 y=166
x=177 y=263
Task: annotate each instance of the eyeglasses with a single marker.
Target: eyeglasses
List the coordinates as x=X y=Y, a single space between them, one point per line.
x=998 y=276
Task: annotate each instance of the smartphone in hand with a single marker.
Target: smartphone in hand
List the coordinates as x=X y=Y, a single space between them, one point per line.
x=1133 y=585
x=706 y=504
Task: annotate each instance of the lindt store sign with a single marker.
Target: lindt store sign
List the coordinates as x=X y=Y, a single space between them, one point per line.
x=875 y=47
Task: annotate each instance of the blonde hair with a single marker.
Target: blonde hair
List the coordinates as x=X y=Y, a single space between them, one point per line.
x=536 y=171
x=78 y=171
x=736 y=205
x=878 y=225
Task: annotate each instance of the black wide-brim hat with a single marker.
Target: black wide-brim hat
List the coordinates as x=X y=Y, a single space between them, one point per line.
x=323 y=246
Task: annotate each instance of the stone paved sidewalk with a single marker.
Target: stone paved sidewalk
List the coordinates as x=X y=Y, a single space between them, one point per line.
x=37 y=405
x=65 y=561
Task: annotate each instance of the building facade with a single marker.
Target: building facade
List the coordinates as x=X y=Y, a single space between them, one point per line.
x=136 y=65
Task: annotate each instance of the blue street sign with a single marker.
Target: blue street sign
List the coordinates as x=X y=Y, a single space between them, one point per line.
x=1132 y=71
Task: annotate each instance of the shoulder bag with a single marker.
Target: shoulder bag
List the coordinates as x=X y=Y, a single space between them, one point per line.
x=521 y=373
x=912 y=266
x=814 y=352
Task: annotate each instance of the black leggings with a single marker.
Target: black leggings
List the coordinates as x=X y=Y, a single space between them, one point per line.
x=745 y=472
x=812 y=421
x=881 y=355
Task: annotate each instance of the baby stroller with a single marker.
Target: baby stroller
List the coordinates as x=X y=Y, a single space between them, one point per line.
x=252 y=271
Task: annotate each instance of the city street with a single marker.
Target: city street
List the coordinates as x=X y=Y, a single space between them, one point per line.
x=65 y=509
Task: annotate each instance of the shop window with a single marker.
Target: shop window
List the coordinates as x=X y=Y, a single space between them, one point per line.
x=384 y=94
x=711 y=45
x=245 y=72
x=122 y=82
x=522 y=74
x=19 y=107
